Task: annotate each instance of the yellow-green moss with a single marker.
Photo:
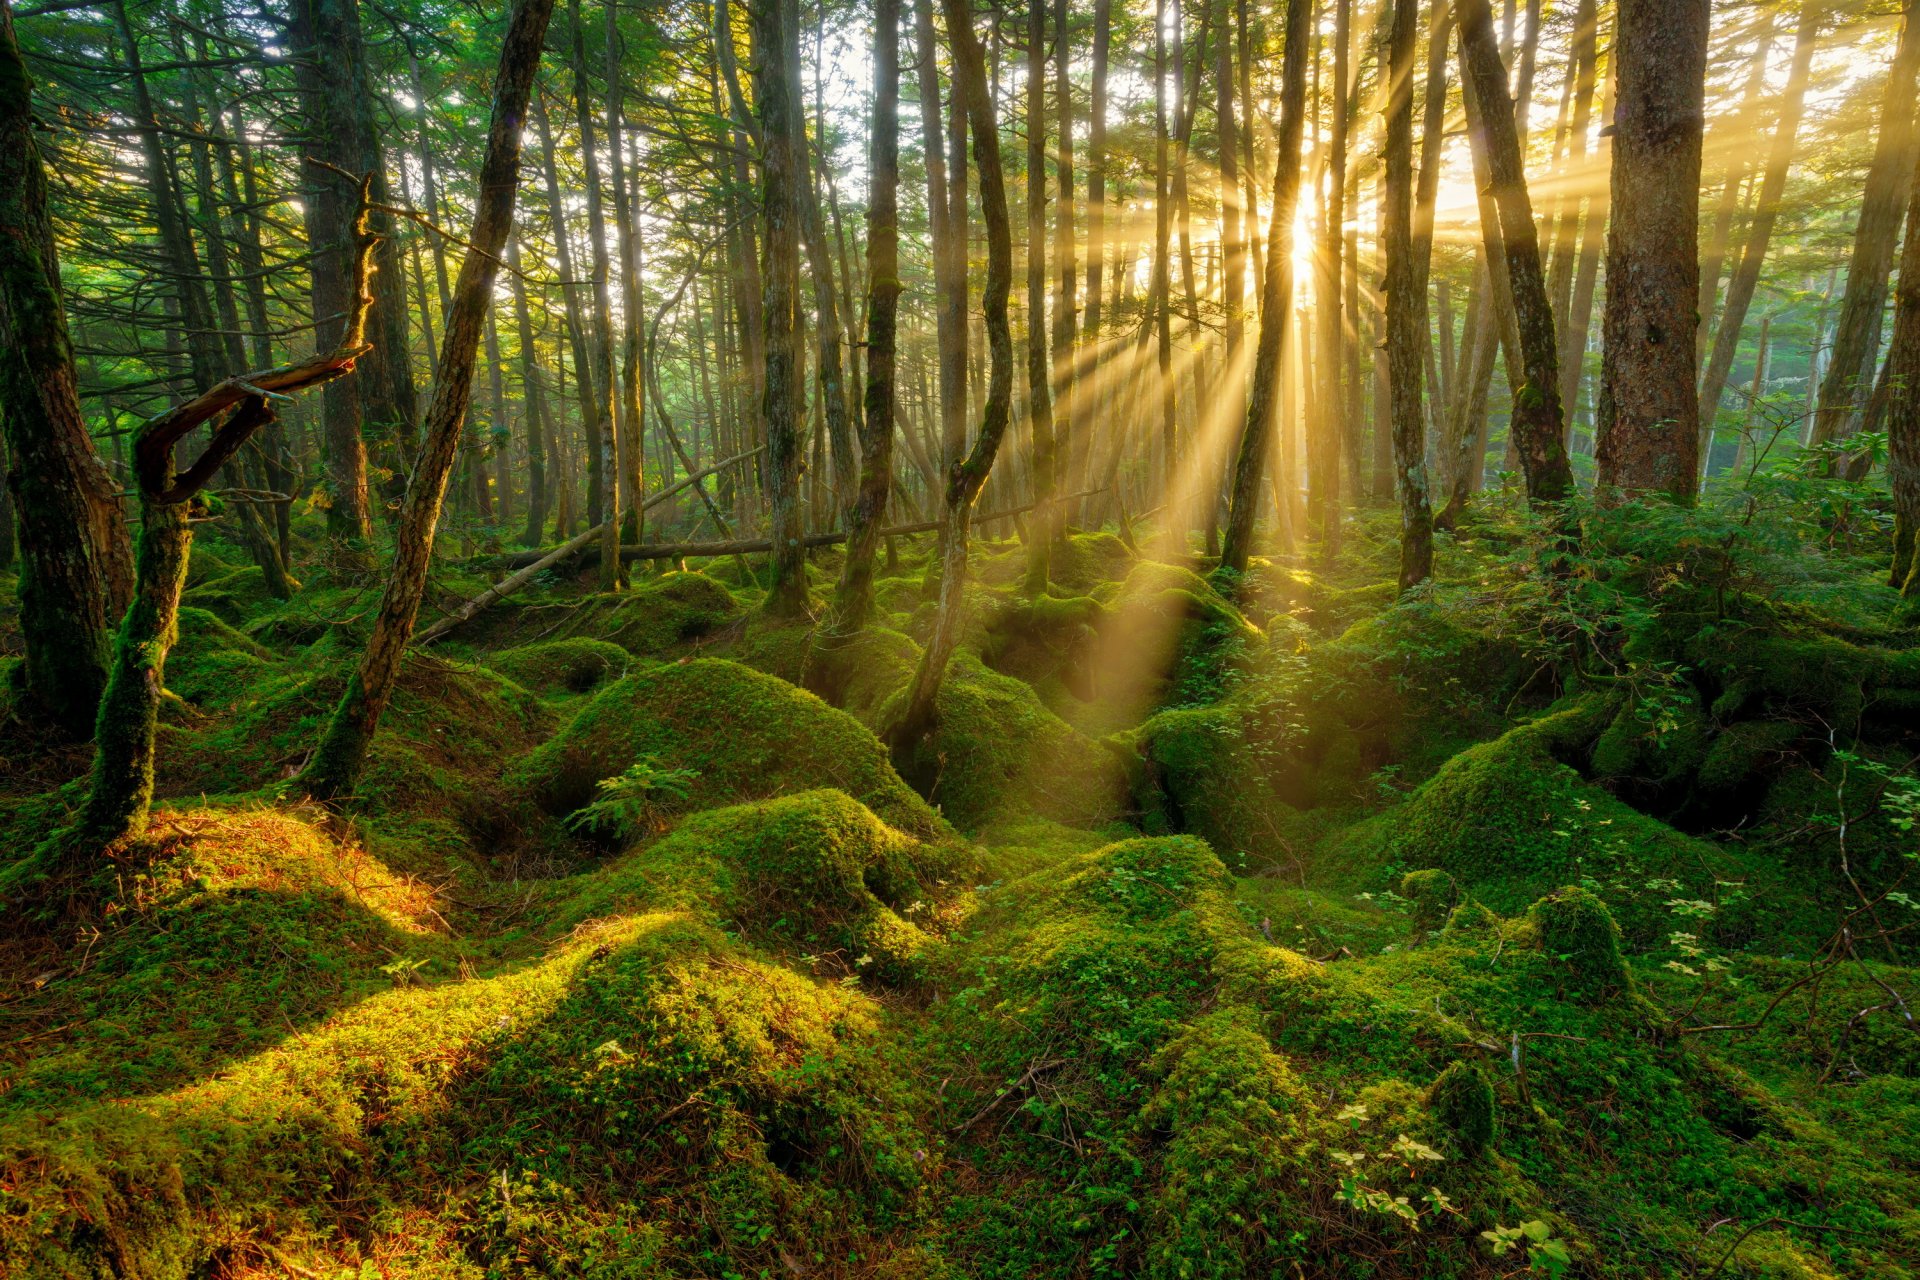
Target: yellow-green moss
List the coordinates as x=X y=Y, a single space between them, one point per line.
x=562 y=666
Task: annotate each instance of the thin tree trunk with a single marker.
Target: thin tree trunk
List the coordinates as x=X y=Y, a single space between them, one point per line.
x=1903 y=411
x=1039 y=373
x=341 y=756
x=632 y=415
x=853 y=597
x=1875 y=236
x=1264 y=399
x=1773 y=185
x=600 y=373
x=966 y=478
x=1536 y=422
x=1406 y=287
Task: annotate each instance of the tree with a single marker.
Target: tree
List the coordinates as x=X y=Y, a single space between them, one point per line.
x=853 y=597
x=967 y=476
x=74 y=569
x=1649 y=411
x=1537 y=426
x=342 y=754
x=1039 y=373
x=1875 y=236
x=776 y=100
x=1276 y=307
x=1406 y=288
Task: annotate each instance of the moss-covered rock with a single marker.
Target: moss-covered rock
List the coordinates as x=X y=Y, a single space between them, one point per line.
x=1579 y=933
x=1433 y=894
x=1462 y=1101
x=747 y=736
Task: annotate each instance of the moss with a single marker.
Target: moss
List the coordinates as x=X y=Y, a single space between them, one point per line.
x=748 y=735
x=1746 y=755
x=997 y=750
x=211 y=662
x=1433 y=894
x=659 y=615
x=562 y=666
x=1462 y=1101
x=235 y=596
x=1578 y=932
x=1472 y=919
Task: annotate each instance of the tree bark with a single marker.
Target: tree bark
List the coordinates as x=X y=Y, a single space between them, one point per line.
x=1039 y=372
x=1649 y=419
x=1406 y=288
x=342 y=754
x=1773 y=185
x=1875 y=236
x=1536 y=423
x=966 y=477
x=1903 y=410
x=1276 y=309
x=75 y=573
x=853 y=596
x=776 y=99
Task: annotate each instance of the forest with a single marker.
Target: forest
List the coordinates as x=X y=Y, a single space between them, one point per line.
x=959 y=639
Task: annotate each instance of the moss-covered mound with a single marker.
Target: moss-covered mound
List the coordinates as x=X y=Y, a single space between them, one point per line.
x=562 y=666
x=656 y=616
x=815 y=871
x=997 y=751
x=212 y=664
x=747 y=735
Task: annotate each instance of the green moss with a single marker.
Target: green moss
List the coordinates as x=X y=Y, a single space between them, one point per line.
x=1433 y=894
x=748 y=735
x=997 y=750
x=1746 y=755
x=1462 y=1101
x=562 y=666
x=1578 y=932
x=213 y=664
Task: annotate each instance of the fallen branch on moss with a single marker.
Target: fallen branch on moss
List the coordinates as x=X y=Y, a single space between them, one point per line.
x=749 y=546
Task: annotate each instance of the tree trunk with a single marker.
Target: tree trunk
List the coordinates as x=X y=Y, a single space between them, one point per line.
x=1263 y=402
x=1406 y=288
x=1903 y=411
x=776 y=99
x=342 y=754
x=853 y=597
x=1160 y=286
x=966 y=477
x=532 y=402
x=74 y=569
x=1874 y=239
x=1039 y=374
x=1649 y=419
x=632 y=416
x=1536 y=423
x=1773 y=185
x=1328 y=280
x=1066 y=298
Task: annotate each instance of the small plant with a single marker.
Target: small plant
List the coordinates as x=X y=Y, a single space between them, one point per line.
x=1545 y=1255
x=633 y=803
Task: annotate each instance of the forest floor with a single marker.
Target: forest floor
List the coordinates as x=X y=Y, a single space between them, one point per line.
x=1552 y=919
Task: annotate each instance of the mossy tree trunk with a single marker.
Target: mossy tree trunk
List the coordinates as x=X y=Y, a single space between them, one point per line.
x=1276 y=306
x=966 y=477
x=1536 y=424
x=75 y=573
x=342 y=754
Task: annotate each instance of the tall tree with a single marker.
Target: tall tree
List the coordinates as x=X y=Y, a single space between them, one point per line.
x=342 y=754
x=1903 y=410
x=1537 y=427
x=1039 y=373
x=968 y=475
x=1773 y=186
x=776 y=98
x=853 y=596
x=1406 y=289
x=1649 y=420
x=600 y=373
x=1875 y=236
x=1276 y=309
x=75 y=575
